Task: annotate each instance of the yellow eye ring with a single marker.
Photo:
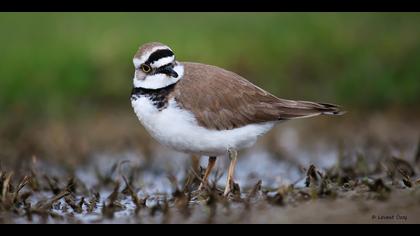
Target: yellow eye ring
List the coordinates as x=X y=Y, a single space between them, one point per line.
x=145 y=68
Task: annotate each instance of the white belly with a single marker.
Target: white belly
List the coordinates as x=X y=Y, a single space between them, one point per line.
x=178 y=129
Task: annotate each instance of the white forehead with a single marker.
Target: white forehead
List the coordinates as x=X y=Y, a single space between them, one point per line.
x=143 y=57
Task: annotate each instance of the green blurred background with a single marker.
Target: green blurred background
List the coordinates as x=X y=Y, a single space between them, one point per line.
x=66 y=64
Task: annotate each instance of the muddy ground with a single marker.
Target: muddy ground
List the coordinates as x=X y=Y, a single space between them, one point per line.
x=106 y=169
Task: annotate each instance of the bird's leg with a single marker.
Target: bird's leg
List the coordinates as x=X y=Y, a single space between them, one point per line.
x=195 y=160
x=233 y=154
x=210 y=165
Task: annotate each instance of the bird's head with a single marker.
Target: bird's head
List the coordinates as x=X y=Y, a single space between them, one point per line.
x=156 y=67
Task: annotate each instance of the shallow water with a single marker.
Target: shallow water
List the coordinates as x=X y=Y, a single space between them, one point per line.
x=278 y=159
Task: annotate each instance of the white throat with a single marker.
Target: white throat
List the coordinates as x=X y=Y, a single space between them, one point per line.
x=158 y=81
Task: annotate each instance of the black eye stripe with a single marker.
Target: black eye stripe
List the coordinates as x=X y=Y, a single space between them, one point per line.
x=158 y=55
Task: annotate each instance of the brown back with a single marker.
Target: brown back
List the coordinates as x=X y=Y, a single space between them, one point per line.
x=223 y=100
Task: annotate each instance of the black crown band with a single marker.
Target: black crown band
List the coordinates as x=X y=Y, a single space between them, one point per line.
x=158 y=55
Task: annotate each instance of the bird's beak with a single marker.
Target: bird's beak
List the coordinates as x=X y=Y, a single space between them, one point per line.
x=168 y=70
x=172 y=73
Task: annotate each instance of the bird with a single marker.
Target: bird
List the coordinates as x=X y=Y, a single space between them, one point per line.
x=205 y=110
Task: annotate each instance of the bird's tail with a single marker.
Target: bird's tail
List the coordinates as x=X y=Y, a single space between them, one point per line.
x=302 y=109
x=330 y=109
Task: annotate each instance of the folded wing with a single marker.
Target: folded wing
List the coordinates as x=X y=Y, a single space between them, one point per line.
x=223 y=100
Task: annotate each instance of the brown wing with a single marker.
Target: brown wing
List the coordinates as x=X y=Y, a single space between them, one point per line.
x=222 y=100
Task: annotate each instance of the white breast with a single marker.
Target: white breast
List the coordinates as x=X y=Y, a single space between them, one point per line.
x=178 y=129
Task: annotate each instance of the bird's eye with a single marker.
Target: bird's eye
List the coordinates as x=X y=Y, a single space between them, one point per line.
x=145 y=68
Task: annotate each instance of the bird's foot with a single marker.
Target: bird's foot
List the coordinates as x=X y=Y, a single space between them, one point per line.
x=232 y=190
x=203 y=186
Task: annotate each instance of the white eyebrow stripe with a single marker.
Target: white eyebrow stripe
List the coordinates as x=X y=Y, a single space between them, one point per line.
x=163 y=61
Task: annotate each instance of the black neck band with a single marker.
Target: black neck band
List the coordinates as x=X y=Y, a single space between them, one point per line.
x=159 y=96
